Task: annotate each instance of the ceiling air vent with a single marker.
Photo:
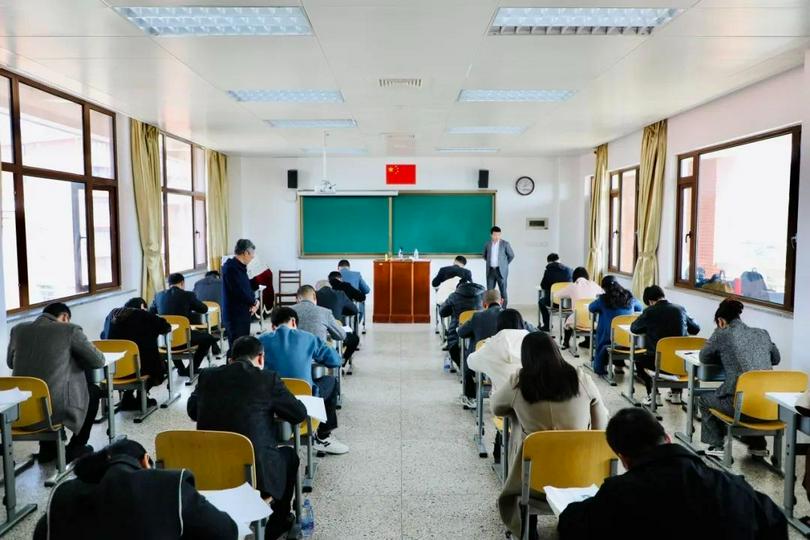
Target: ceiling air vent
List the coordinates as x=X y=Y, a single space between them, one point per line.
x=400 y=83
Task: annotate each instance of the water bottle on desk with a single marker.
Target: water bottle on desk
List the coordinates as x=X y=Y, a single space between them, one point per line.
x=416 y=254
x=399 y=253
x=307 y=520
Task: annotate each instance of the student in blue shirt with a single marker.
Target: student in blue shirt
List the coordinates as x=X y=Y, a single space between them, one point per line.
x=616 y=301
x=290 y=352
x=355 y=279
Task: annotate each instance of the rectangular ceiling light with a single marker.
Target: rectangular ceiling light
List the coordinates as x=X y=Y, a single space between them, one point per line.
x=313 y=124
x=546 y=21
x=288 y=96
x=486 y=130
x=181 y=21
x=514 y=96
x=484 y=150
x=317 y=151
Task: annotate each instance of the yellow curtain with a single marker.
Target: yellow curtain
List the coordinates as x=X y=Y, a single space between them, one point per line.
x=217 y=208
x=146 y=179
x=598 y=230
x=650 y=203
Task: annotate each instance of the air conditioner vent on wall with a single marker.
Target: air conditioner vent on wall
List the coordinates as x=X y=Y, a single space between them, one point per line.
x=537 y=223
x=400 y=83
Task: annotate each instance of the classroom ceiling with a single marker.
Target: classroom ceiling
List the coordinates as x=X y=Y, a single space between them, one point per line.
x=711 y=48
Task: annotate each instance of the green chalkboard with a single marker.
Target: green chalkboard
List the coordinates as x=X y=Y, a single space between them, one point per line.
x=442 y=223
x=343 y=225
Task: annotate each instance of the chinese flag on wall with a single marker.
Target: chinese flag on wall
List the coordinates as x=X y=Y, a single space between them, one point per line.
x=398 y=173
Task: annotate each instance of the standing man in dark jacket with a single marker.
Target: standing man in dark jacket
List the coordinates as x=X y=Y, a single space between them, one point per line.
x=498 y=255
x=177 y=301
x=457 y=269
x=467 y=296
x=661 y=319
x=710 y=503
x=245 y=398
x=556 y=272
x=238 y=299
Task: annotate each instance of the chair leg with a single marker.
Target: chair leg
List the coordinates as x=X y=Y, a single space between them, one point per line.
x=61 y=467
x=524 y=522
x=776 y=458
x=727 y=460
x=145 y=409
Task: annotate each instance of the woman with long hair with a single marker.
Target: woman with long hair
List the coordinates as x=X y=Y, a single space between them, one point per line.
x=614 y=302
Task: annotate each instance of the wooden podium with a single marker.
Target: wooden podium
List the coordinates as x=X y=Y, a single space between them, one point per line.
x=401 y=291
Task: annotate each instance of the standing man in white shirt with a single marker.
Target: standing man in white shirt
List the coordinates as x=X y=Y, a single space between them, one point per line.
x=498 y=254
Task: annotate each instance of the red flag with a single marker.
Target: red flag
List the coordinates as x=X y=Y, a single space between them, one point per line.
x=400 y=173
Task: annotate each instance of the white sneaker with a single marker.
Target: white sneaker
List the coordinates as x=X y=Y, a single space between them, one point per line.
x=674 y=397
x=468 y=403
x=716 y=451
x=647 y=401
x=330 y=445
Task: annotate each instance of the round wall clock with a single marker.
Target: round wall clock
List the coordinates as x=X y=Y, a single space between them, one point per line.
x=524 y=185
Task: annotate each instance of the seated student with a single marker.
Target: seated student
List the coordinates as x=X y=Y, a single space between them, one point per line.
x=340 y=306
x=660 y=320
x=482 y=325
x=555 y=272
x=320 y=321
x=246 y=397
x=134 y=323
x=117 y=493
x=457 y=269
x=355 y=279
x=547 y=393
x=738 y=348
x=54 y=350
x=467 y=296
x=614 y=302
x=668 y=492
x=337 y=283
x=580 y=289
x=209 y=288
x=291 y=352
x=177 y=301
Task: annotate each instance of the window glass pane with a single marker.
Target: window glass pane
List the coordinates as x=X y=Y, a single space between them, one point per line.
x=6 y=151
x=686 y=167
x=200 y=170
x=56 y=236
x=628 y=223
x=614 y=231
x=101 y=144
x=181 y=251
x=742 y=220
x=178 y=164
x=200 y=232
x=684 y=234
x=51 y=131
x=614 y=181
x=9 y=225
x=102 y=236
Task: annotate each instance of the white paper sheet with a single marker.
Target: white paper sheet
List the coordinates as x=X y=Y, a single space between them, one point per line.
x=14 y=395
x=348 y=329
x=559 y=498
x=244 y=504
x=315 y=407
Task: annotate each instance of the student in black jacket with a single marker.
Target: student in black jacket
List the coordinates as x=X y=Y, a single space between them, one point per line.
x=339 y=304
x=556 y=272
x=337 y=283
x=177 y=301
x=457 y=269
x=660 y=320
x=668 y=493
x=117 y=494
x=467 y=296
x=134 y=323
x=245 y=398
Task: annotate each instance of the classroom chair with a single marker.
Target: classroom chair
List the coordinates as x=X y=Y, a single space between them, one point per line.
x=443 y=291
x=127 y=374
x=755 y=414
x=583 y=323
x=213 y=326
x=463 y=318
x=288 y=296
x=503 y=426
x=181 y=345
x=669 y=371
x=558 y=304
x=300 y=387
x=35 y=423
x=480 y=393
x=562 y=459
x=620 y=343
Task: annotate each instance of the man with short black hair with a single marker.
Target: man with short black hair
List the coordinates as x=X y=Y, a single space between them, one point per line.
x=238 y=297
x=660 y=475
x=246 y=397
x=355 y=279
x=555 y=272
x=457 y=269
x=53 y=349
x=498 y=255
x=209 y=288
x=337 y=283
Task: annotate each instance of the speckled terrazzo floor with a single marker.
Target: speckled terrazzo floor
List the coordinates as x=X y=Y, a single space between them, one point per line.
x=413 y=471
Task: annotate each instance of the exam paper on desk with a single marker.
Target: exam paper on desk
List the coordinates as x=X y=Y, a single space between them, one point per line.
x=559 y=498
x=315 y=406
x=244 y=504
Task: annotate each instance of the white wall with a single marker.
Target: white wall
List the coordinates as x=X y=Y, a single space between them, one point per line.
x=264 y=210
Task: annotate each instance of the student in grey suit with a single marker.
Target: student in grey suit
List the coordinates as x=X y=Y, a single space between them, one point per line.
x=498 y=255
x=315 y=319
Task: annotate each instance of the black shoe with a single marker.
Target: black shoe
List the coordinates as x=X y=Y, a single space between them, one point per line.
x=278 y=527
x=76 y=451
x=182 y=371
x=129 y=402
x=586 y=343
x=47 y=452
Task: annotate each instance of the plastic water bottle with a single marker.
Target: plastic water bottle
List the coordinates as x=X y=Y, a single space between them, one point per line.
x=399 y=253
x=307 y=520
x=416 y=254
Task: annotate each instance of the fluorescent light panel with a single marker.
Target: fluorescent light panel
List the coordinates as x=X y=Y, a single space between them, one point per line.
x=580 y=20
x=288 y=96
x=313 y=124
x=315 y=150
x=514 y=96
x=218 y=21
x=486 y=130
x=468 y=150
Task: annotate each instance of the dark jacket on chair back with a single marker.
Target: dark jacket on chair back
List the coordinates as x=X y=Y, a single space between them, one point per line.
x=336 y=301
x=661 y=320
x=447 y=272
x=143 y=328
x=466 y=296
x=242 y=398
x=707 y=503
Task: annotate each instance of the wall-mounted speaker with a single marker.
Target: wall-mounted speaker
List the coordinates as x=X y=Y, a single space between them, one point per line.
x=483 y=178
x=292 y=178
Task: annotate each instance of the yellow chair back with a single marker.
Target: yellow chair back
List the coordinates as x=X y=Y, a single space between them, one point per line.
x=181 y=338
x=754 y=384
x=129 y=365
x=213 y=316
x=300 y=387
x=621 y=338
x=556 y=288
x=582 y=317
x=566 y=459
x=465 y=316
x=33 y=416
x=218 y=459
x=667 y=347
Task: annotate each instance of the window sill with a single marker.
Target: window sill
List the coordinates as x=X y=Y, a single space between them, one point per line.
x=719 y=297
x=21 y=315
